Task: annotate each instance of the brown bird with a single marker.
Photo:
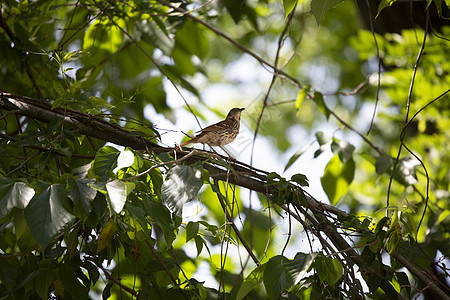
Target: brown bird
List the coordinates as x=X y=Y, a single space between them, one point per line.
x=221 y=133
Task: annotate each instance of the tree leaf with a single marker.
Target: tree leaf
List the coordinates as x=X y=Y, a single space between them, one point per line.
x=384 y=4
x=281 y=273
x=343 y=149
x=320 y=7
x=301 y=95
x=328 y=269
x=82 y=196
x=13 y=194
x=298 y=267
x=405 y=172
x=181 y=186
x=300 y=179
x=107 y=234
x=288 y=6
x=46 y=214
x=161 y=215
x=251 y=281
x=72 y=285
x=105 y=161
x=117 y=194
x=124 y=160
x=199 y=242
x=191 y=230
x=337 y=178
x=382 y=164
x=296 y=155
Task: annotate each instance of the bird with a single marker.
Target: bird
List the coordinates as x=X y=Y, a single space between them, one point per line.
x=221 y=133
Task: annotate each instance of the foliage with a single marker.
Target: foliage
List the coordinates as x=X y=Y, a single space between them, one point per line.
x=92 y=204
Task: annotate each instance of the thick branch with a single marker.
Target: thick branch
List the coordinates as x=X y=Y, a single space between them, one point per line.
x=244 y=175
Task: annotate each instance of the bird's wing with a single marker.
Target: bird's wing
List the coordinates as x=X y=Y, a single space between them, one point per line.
x=218 y=126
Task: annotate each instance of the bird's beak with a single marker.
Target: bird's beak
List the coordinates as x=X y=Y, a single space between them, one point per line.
x=241 y=109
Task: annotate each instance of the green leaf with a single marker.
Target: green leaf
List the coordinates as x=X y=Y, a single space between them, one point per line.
x=298 y=267
x=320 y=7
x=281 y=273
x=137 y=213
x=82 y=196
x=160 y=215
x=9 y=267
x=191 y=230
x=373 y=282
x=300 y=179
x=328 y=269
x=301 y=95
x=105 y=161
x=107 y=234
x=296 y=155
x=405 y=172
x=383 y=164
x=251 y=281
x=337 y=178
x=45 y=277
x=117 y=194
x=191 y=39
x=181 y=186
x=46 y=214
x=72 y=285
x=103 y=35
x=199 y=242
x=318 y=97
x=384 y=4
x=288 y=6
x=59 y=89
x=343 y=149
x=322 y=138
x=106 y=294
x=124 y=160
x=99 y=103
x=13 y=194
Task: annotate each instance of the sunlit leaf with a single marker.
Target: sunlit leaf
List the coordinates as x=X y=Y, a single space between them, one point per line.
x=106 y=234
x=337 y=178
x=288 y=6
x=13 y=194
x=181 y=186
x=105 y=162
x=117 y=193
x=125 y=159
x=301 y=97
x=405 y=172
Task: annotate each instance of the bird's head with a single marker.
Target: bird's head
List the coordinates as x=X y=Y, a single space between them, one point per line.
x=235 y=113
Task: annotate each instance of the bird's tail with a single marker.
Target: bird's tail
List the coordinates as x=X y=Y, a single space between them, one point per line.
x=185 y=143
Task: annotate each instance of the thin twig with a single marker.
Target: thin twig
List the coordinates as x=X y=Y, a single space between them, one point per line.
x=379 y=67
x=408 y=102
x=236 y=230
